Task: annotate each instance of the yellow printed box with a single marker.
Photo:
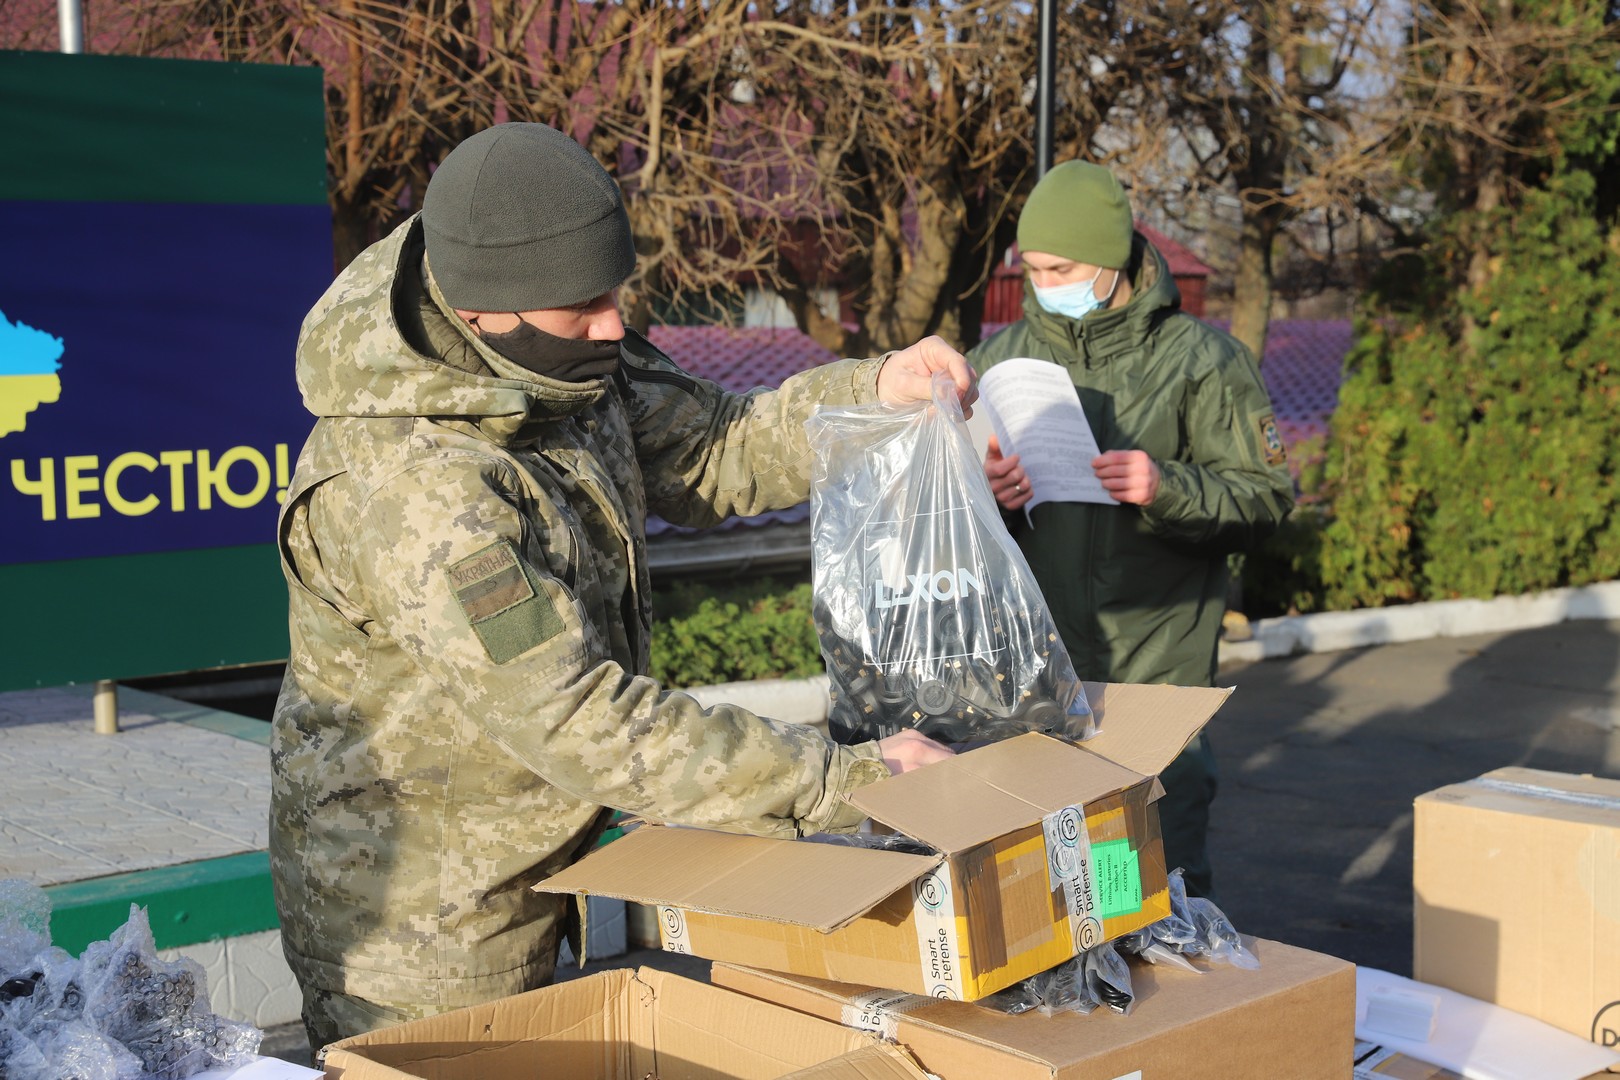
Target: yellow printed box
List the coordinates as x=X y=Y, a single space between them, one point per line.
x=1038 y=848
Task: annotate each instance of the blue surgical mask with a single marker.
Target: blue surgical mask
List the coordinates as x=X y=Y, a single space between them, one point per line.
x=1076 y=299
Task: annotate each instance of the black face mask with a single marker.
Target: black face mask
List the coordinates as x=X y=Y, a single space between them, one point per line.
x=565 y=359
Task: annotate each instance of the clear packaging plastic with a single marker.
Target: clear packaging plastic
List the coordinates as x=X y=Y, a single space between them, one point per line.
x=928 y=614
x=1098 y=977
x=1194 y=927
x=117 y=1013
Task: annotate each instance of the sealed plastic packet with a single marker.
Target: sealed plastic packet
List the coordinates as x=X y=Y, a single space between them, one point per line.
x=117 y=1013
x=928 y=615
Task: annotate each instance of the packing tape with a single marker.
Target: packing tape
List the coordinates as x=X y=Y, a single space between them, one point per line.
x=934 y=913
x=1537 y=791
x=1069 y=866
x=879 y=1011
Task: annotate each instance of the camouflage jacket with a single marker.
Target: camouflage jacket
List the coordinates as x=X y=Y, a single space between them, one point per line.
x=466 y=559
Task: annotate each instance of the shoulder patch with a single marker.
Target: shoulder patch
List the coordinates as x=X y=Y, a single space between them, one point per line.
x=501 y=604
x=489 y=581
x=1270 y=439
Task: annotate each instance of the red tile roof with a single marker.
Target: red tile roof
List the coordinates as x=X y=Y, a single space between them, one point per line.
x=740 y=359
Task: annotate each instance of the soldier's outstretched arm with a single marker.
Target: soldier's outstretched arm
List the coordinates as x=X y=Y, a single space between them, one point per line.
x=462 y=581
x=707 y=454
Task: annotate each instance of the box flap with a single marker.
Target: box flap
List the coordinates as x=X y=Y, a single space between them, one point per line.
x=1144 y=727
x=574 y=1028
x=880 y=1062
x=975 y=797
x=1538 y=793
x=1178 y=1007
x=821 y=886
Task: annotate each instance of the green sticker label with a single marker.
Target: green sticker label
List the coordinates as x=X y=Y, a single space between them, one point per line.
x=1119 y=878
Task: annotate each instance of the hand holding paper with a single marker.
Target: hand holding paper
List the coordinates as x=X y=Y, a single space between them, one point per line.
x=1036 y=414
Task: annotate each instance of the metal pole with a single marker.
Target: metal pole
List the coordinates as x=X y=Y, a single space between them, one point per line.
x=1044 y=89
x=106 y=707
x=70 y=16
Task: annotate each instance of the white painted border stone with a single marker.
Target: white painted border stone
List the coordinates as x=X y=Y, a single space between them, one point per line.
x=805 y=701
x=248 y=978
x=1329 y=631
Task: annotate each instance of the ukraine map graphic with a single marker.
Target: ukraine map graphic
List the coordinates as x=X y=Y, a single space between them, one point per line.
x=28 y=367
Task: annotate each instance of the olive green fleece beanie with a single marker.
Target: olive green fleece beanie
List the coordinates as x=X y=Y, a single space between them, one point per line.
x=1078 y=211
x=520 y=217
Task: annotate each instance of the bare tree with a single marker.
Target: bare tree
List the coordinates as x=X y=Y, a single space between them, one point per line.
x=1492 y=95
x=1259 y=109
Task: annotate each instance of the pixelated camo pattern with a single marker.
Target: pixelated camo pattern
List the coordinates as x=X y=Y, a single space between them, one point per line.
x=465 y=554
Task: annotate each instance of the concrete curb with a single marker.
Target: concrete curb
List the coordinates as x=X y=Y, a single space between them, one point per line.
x=1329 y=631
x=805 y=701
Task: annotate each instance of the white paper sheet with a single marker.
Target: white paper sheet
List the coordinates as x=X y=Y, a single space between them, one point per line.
x=1481 y=1041
x=1033 y=408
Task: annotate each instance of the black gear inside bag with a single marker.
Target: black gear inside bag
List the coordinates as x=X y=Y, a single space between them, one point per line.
x=928 y=615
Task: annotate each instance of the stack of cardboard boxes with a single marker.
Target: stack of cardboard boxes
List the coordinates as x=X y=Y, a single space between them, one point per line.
x=1516 y=884
x=1036 y=850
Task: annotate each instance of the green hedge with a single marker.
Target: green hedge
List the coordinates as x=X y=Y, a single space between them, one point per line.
x=1470 y=461
x=706 y=633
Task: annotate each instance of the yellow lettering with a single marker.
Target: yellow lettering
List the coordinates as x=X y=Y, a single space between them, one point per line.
x=78 y=484
x=44 y=487
x=212 y=478
x=281 y=474
x=115 y=499
x=176 y=460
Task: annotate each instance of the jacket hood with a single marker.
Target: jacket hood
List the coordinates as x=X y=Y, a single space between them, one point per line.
x=1103 y=334
x=378 y=343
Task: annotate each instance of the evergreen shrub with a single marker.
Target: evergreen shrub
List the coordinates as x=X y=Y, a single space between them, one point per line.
x=1479 y=457
x=707 y=632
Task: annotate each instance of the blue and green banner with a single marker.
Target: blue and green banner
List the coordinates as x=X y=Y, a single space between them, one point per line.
x=163 y=229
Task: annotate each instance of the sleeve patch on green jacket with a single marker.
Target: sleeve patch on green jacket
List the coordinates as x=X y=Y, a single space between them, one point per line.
x=1271 y=439
x=502 y=604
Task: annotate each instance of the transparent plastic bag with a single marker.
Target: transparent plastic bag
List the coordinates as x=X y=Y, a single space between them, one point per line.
x=116 y=1013
x=1098 y=977
x=1194 y=927
x=157 y=1008
x=25 y=926
x=928 y=614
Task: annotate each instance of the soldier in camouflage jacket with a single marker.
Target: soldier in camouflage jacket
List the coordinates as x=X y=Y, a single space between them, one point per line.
x=464 y=546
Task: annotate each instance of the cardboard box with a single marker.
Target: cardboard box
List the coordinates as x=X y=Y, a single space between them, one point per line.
x=618 y=1025
x=1293 y=1019
x=1040 y=848
x=1516 y=882
x=1373 y=1062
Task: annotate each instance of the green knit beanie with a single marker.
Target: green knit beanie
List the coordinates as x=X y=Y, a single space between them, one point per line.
x=1078 y=211
x=520 y=217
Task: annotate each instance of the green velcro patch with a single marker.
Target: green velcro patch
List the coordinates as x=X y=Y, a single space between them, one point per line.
x=489 y=581
x=503 y=606
x=1271 y=439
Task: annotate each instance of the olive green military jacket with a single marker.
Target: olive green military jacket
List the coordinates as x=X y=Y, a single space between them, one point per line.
x=1138 y=592
x=465 y=554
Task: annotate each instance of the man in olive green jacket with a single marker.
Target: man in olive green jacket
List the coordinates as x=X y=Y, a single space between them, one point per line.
x=464 y=546
x=1189 y=449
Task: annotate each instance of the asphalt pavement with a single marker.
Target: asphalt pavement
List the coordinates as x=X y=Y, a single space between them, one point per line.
x=1321 y=755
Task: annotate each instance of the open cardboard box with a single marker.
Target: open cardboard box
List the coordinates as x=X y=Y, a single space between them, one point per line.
x=620 y=1025
x=1292 y=1019
x=1040 y=848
